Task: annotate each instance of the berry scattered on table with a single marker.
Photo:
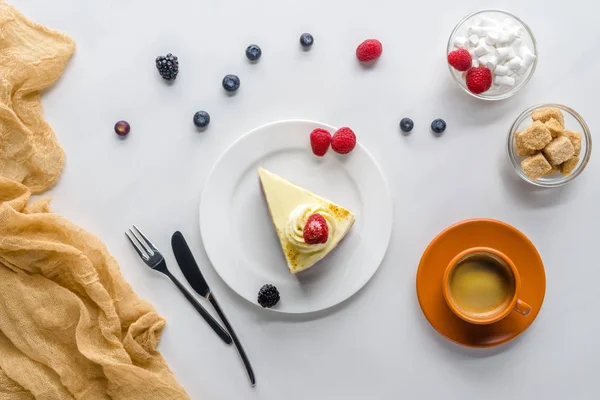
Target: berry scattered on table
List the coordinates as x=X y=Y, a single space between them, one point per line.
x=406 y=125
x=168 y=66
x=253 y=52
x=201 y=119
x=320 y=140
x=479 y=79
x=460 y=59
x=231 y=83
x=438 y=125
x=369 y=50
x=306 y=40
x=268 y=296
x=122 y=128
x=343 y=141
x=316 y=230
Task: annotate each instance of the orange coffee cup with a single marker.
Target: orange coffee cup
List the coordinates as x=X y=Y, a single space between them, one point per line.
x=500 y=286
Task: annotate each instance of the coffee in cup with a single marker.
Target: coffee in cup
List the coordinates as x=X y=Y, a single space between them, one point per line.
x=481 y=286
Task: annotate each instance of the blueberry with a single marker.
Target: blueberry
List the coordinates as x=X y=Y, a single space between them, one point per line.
x=406 y=125
x=306 y=40
x=253 y=52
x=122 y=128
x=201 y=119
x=231 y=83
x=438 y=125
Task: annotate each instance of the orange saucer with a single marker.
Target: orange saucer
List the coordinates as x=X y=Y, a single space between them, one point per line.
x=474 y=233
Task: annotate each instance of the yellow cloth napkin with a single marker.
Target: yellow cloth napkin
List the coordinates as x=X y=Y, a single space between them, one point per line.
x=70 y=326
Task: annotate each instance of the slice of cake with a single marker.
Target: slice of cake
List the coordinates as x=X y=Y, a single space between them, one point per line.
x=308 y=226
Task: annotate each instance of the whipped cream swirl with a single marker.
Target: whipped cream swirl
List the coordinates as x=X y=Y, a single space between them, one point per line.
x=296 y=222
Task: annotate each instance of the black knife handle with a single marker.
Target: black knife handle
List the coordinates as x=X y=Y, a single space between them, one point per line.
x=207 y=317
x=236 y=341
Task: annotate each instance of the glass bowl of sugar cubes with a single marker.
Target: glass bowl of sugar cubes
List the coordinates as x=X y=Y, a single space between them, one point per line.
x=549 y=145
x=498 y=41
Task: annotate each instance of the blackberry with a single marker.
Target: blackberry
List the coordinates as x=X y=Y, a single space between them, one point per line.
x=231 y=83
x=253 y=52
x=268 y=296
x=168 y=66
x=438 y=126
x=201 y=119
x=306 y=40
x=406 y=124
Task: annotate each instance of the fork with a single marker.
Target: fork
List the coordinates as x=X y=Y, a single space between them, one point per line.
x=152 y=258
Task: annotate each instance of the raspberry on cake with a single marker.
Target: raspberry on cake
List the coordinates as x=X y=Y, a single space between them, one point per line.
x=316 y=230
x=308 y=226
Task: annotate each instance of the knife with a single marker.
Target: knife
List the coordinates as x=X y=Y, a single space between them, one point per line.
x=192 y=273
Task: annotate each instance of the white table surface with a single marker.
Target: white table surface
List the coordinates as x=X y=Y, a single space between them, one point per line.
x=377 y=345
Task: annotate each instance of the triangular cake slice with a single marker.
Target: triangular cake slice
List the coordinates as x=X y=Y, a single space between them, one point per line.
x=290 y=206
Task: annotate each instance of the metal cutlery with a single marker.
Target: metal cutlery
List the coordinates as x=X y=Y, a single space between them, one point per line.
x=192 y=273
x=154 y=259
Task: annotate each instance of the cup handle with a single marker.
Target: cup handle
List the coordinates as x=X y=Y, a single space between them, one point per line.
x=522 y=308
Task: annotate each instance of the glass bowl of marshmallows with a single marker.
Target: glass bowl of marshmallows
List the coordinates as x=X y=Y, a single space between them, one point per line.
x=502 y=50
x=549 y=145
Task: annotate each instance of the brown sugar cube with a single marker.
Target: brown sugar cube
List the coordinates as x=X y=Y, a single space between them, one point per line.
x=559 y=150
x=575 y=139
x=568 y=166
x=554 y=170
x=521 y=149
x=544 y=114
x=536 y=137
x=536 y=166
x=555 y=127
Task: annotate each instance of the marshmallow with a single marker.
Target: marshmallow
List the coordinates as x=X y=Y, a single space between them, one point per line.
x=504 y=80
x=516 y=44
x=460 y=42
x=492 y=38
x=518 y=31
x=484 y=58
x=475 y=63
x=506 y=37
x=482 y=49
x=491 y=62
x=523 y=70
x=504 y=52
x=502 y=70
x=476 y=30
x=473 y=40
x=515 y=63
x=487 y=21
x=508 y=22
x=527 y=55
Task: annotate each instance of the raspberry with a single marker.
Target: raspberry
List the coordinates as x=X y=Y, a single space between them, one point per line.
x=316 y=230
x=369 y=50
x=343 y=141
x=479 y=79
x=320 y=139
x=460 y=59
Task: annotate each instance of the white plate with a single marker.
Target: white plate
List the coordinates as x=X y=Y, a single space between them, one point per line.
x=238 y=233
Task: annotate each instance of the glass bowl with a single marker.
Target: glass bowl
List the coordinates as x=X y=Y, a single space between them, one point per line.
x=501 y=92
x=573 y=122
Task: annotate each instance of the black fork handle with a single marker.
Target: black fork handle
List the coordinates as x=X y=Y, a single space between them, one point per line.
x=207 y=317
